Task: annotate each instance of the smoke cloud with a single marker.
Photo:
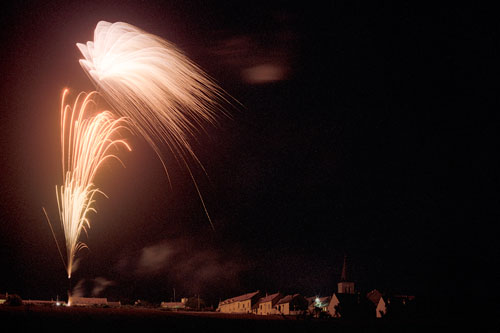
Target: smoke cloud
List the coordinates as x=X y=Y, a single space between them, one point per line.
x=178 y=262
x=97 y=286
x=100 y=284
x=154 y=258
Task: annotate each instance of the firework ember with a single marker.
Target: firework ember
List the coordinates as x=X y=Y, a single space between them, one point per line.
x=165 y=95
x=86 y=143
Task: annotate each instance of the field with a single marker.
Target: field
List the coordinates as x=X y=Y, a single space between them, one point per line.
x=45 y=318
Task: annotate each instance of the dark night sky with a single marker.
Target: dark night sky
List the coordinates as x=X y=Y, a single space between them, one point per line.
x=373 y=141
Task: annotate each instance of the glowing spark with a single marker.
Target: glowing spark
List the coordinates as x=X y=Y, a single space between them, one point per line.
x=85 y=145
x=165 y=95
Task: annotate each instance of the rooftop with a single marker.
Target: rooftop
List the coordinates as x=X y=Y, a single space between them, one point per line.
x=240 y=298
x=269 y=298
x=287 y=299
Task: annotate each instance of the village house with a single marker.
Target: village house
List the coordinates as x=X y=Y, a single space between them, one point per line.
x=240 y=304
x=265 y=305
x=395 y=306
x=87 y=301
x=381 y=308
x=345 y=303
x=348 y=306
x=318 y=305
x=174 y=306
x=376 y=298
x=291 y=305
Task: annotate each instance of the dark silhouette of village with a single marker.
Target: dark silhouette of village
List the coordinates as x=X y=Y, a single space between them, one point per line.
x=345 y=303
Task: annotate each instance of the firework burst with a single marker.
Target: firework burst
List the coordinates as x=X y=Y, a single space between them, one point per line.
x=86 y=143
x=167 y=97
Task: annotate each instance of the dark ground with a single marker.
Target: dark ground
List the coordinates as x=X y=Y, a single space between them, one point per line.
x=44 y=318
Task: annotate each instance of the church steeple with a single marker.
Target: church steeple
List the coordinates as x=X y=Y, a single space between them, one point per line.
x=343 y=276
x=345 y=286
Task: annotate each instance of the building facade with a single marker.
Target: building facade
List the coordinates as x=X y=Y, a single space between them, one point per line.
x=265 y=305
x=291 y=305
x=240 y=304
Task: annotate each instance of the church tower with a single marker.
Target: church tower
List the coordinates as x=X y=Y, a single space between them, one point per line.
x=345 y=286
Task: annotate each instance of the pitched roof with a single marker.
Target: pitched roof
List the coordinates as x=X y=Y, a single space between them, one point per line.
x=374 y=296
x=287 y=299
x=269 y=298
x=240 y=298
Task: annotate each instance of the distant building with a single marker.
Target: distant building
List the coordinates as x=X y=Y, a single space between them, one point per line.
x=318 y=305
x=291 y=305
x=345 y=286
x=86 y=301
x=240 y=304
x=41 y=302
x=115 y=304
x=173 y=305
x=346 y=302
x=265 y=305
x=375 y=297
x=381 y=308
x=395 y=306
x=343 y=305
x=3 y=298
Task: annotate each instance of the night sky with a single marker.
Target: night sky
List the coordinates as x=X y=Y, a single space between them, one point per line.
x=362 y=131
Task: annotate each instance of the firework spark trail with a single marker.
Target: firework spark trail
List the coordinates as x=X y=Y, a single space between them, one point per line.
x=165 y=95
x=85 y=145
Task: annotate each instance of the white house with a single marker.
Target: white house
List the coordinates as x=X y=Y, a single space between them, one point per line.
x=381 y=309
x=377 y=300
x=265 y=305
x=291 y=305
x=239 y=304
